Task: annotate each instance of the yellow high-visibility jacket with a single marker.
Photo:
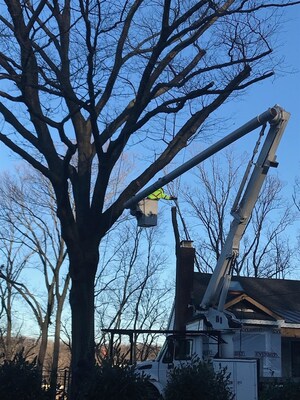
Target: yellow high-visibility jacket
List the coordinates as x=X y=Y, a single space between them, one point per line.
x=159 y=194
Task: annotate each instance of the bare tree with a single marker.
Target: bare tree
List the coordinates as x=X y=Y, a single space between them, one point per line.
x=265 y=244
x=210 y=202
x=136 y=265
x=296 y=194
x=92 y=78
x=132 y=290
x=12 y=266
x=28 y=211
x=296 y=201
x=264 y=250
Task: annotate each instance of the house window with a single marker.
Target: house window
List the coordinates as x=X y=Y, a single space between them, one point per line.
x=295 y=349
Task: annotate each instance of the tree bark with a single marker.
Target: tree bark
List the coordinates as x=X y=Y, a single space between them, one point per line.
x=82 y=310
x=56 y=345
x=43 y=345
x=8 y=341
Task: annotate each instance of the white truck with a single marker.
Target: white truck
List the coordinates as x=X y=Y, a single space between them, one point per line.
x=210 y=334
x=179 y=349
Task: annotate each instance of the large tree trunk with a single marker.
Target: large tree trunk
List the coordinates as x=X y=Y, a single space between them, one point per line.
x=82 y=309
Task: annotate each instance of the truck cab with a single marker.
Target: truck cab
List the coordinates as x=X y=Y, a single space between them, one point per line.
x=177 y=349
x=174 y=352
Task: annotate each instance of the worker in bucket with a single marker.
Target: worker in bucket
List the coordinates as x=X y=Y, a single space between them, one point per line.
x=160 y=194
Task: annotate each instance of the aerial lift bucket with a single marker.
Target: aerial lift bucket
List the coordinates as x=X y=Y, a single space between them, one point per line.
x=146 y=213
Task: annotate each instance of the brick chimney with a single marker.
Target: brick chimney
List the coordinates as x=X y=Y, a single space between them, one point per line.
x=184 y=284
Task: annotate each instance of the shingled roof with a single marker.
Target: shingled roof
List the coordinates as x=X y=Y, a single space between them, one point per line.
x=281 y=296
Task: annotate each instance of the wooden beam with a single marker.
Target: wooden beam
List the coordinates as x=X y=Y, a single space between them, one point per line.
x=290 y=332
x=254 y=303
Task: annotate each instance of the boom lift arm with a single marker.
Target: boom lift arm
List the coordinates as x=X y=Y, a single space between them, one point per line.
x=217 y=288
x=272 y=115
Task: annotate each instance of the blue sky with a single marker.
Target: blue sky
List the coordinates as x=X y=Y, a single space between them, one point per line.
x=284 y=90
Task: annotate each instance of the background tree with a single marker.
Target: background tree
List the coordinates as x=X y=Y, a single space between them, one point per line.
x=296 y=194
x=132 y=290
x=92 y=79
x=296 y=201
x=264 y=249
x=12 y=266
x=28 y=211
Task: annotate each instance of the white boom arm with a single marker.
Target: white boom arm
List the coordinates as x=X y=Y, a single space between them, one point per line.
x=217 y=288
x=269 y=115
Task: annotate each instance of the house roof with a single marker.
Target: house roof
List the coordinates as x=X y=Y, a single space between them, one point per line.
x=280 y=296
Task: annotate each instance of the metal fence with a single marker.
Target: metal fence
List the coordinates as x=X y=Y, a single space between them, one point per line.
x=62 y=386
